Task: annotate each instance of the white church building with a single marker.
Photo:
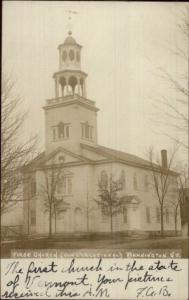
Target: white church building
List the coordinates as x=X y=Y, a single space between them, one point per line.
x=72 y=145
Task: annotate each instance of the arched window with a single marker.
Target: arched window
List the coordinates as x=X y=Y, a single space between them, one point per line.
x=135 y=182
x=72 y=82
x=62 y=82
x=104 y=178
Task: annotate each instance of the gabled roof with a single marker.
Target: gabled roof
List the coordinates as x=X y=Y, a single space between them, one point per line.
x=103 y=155
x=123 y=157
x=41 y=160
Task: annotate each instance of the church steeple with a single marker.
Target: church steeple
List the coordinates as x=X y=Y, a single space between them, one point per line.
x=70 y=117
x=70 y=80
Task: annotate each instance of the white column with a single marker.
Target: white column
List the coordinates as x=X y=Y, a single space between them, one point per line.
x=67 y=90
x=84 y=89
x=56 y=88
x=79 y=86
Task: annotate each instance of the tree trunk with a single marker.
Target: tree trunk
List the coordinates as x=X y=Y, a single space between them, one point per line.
x=50 y=222
x=162 y=222
x=111 y=220
x=55 y=222
x=176 y=223
x=28 y=217
x=87 y=220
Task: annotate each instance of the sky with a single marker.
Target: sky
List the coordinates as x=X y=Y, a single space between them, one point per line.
x=124 y=46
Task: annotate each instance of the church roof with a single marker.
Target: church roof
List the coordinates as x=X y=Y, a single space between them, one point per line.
x=116 y=154
x=123 y=157
x=103 y=155
x=70 y=40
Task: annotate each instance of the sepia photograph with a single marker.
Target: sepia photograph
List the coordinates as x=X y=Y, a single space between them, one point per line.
x=95 y=130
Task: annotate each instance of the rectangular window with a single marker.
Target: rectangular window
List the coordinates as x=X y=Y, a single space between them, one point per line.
x=157 y=214
x=148 y=219
x=59 y=187
x=33 y=217
x=125 y=215
x=54 y=133
x=135 y=182
x=69 y=185
x=105 y=214
x=64 y=186
x=167 y=216
x=83 y=130
x=146 y=183
x=62 y=131
x=86 y=131
x=67 y=131
x=91 y=132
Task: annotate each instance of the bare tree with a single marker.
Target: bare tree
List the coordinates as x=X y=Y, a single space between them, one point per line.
x=175 y=110
x=161 y=180
x=14 y=151
x=184 y=198
x=109 y=198
x=53 y=205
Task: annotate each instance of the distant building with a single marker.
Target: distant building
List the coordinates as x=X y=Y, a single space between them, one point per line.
x=71 y=137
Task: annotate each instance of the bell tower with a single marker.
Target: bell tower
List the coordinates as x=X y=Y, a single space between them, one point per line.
x=70 y=117
x=70 y=79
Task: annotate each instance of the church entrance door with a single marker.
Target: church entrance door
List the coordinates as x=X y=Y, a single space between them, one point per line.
x=134 y=218
x=78 y=219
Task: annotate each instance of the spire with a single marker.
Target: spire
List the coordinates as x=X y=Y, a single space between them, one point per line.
x=70 y=14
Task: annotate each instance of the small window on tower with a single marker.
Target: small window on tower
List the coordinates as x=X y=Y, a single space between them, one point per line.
x=71 y=55
x=91 y=132
x=63 y=131
x=86 y=131
x=64 y=55
x=78 y=57
x=83 y=130
x=67 y=131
